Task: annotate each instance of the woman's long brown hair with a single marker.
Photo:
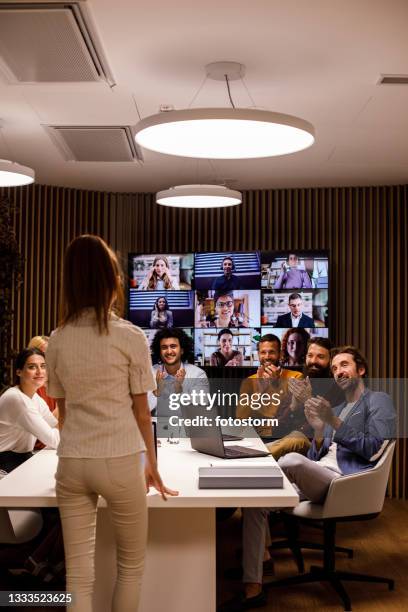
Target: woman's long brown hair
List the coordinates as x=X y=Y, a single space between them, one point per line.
x=153 y=277
x=91 y=279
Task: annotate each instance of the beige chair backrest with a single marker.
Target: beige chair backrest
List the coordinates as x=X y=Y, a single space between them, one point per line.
x=361 y=493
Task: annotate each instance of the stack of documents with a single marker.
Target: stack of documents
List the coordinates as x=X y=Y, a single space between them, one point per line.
x=234 y=476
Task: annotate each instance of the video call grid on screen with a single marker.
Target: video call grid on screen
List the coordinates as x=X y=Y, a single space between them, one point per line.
x=248 y=293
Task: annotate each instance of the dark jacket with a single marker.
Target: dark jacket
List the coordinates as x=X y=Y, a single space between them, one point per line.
x=222 y=283
x=286 y=321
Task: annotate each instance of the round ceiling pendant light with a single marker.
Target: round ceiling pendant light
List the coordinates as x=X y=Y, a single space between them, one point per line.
x=199 y=196
x=15 y=175
x=224 y=133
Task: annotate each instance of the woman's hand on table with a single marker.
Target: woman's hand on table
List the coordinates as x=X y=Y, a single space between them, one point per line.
x=153 y=479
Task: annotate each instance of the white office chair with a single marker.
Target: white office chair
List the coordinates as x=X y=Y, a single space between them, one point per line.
x=350 y=498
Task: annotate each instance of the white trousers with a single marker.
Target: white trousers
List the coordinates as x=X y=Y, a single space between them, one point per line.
x=120 y=480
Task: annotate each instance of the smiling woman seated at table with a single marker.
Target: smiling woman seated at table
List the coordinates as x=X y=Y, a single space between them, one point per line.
x=24 y=415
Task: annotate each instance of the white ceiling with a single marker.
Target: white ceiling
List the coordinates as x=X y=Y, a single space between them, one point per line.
x=317 y=59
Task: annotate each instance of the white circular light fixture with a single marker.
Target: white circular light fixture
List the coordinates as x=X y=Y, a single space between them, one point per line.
x=199 y=196
x=224 y=133
x=15 y=175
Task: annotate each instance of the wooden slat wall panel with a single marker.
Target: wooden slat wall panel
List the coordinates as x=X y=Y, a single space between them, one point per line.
x=365 y=230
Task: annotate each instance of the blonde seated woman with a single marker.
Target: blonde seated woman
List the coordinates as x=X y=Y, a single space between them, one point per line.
x=41 y=343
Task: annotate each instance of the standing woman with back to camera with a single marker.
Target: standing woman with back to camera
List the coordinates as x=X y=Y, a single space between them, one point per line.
x=100 y=372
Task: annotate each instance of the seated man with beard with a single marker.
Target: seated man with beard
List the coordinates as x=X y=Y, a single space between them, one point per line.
x=296 y=437
x=269 y=379
x=347 y=439
x=318 y=380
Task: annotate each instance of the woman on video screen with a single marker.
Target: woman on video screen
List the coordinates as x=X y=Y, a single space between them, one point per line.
x=161 y=316
x=294 y=347
x=158 y=277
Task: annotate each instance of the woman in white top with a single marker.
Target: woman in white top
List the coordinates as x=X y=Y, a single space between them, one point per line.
x=100 y=372
x=24 y=415
x=158 y=278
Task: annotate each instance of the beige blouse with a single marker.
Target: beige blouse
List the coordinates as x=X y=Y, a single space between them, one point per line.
x=96 y=374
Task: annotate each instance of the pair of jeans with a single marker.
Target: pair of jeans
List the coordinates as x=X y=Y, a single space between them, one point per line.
x=120 y=480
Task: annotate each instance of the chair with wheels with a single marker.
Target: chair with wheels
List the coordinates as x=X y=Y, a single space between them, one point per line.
x=356 y=497
x=296 y=544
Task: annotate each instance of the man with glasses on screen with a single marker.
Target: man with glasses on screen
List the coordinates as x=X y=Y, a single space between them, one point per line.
x=225 y=314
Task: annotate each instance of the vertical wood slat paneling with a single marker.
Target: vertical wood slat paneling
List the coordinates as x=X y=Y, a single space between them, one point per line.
x=363 y=228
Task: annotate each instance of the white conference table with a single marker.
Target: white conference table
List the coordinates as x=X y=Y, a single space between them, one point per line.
x=180 y=563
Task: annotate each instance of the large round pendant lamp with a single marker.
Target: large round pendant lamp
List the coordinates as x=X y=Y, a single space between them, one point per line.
x=15 y=175
x=224 y=133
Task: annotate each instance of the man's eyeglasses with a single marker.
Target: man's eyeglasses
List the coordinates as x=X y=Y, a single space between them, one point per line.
x=227 y=304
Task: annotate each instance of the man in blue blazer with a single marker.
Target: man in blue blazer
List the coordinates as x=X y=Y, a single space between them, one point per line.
x=348 y=438
x=296 y=316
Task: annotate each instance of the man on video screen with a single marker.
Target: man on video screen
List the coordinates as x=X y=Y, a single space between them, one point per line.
x=296 y=316
x=227 y=281
x=291 y=277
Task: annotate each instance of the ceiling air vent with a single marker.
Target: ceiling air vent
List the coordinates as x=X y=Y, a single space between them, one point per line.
x=50 y=43
x=393 y=79
x=95 y=143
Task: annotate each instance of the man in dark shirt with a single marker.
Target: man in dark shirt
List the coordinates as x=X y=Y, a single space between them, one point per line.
x=294 y=432
x=228 y=281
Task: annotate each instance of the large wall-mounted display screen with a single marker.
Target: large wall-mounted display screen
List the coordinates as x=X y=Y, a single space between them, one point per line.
x=227 y=301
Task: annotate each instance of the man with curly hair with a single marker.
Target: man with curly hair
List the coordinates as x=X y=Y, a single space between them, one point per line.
x=172 y=352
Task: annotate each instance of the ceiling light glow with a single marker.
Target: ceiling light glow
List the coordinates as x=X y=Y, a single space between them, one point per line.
x=224 y=133
x=199 y=196
x=15 y=175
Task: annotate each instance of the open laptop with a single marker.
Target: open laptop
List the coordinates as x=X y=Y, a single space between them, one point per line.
x=230 y=438
x=208 y=439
